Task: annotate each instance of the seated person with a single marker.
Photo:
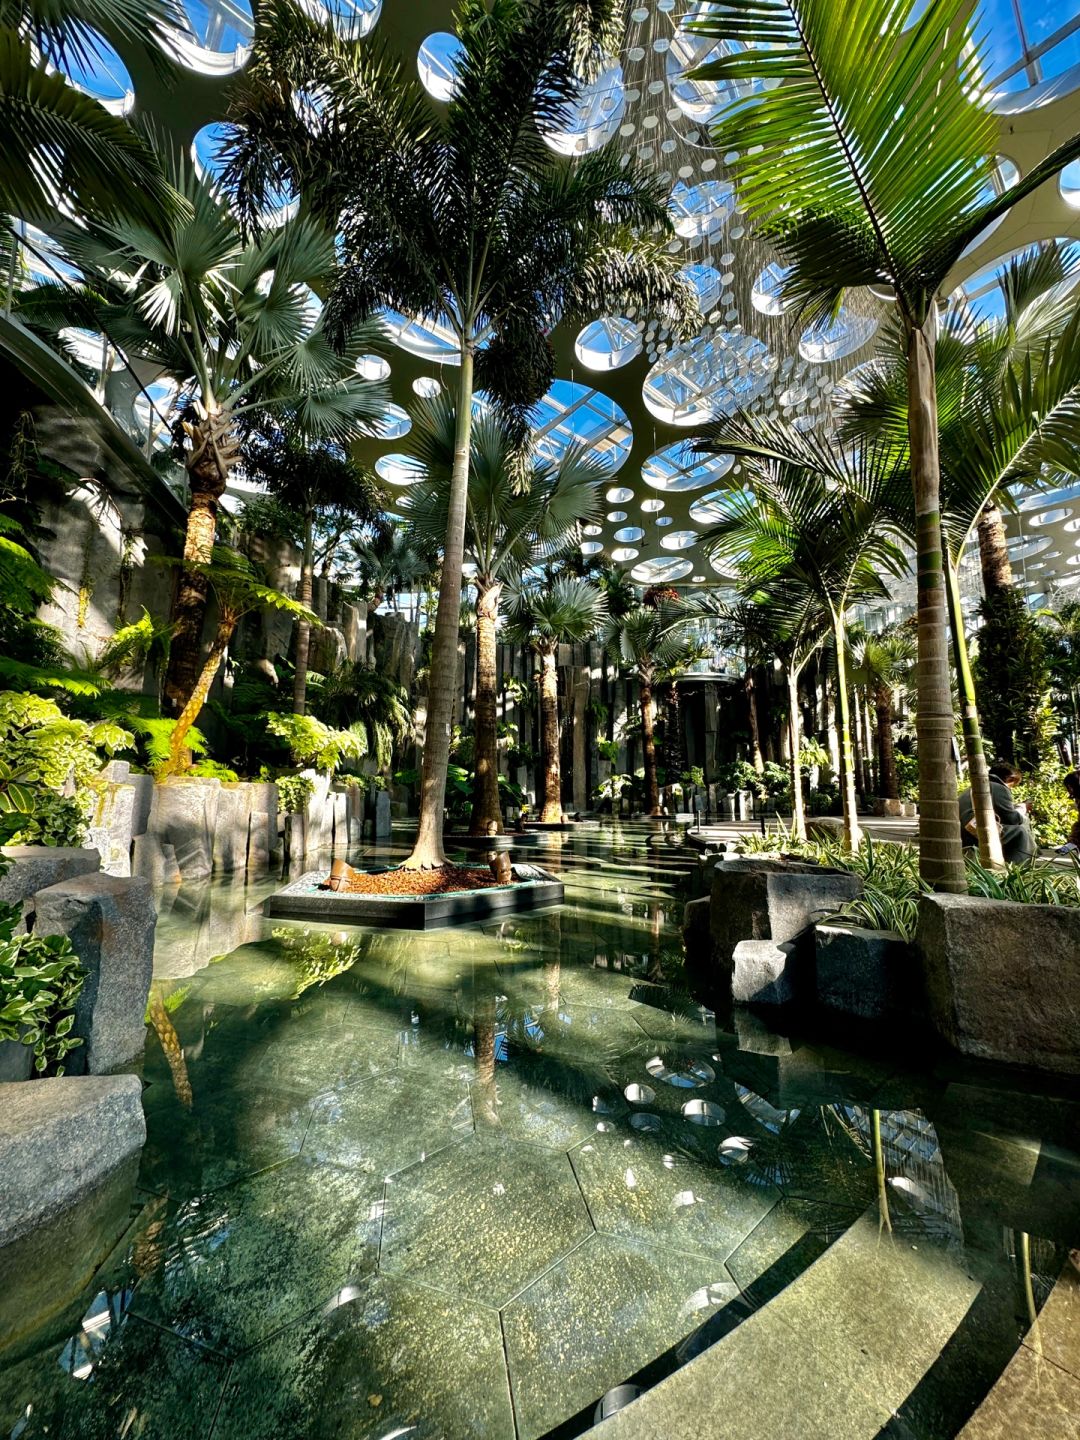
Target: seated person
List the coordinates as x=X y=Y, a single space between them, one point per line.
x=1072 y=789
x=1017 y=841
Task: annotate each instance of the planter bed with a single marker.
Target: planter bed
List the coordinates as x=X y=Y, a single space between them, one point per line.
x=303 y=899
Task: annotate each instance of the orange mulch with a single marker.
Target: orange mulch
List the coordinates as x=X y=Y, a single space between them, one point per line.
x=417 y=882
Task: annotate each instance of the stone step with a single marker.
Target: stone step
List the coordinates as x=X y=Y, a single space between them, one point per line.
x=834 y=1354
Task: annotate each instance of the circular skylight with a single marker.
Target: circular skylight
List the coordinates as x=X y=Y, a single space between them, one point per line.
x=765 y=295
x=218 y=36
x=1069 y=184
x=373 y=367
x=619 y=495
x=394 y=423
x=624 y=553
x=629 y=534
x=591 y=547
x=608 y=343
x=353 y=19
x=709 y=378
x=677 y=468
x=206 y=151
x=437 y=63
x=398 y=469
x=846 y=334
x=661 y=572
x=712 y=508
x=577 y=415
x=100 y=72
x=679 y=540
x=699 y=100
x=431 y=340
x=426 y=386
x=699 y=210
x=707 y=284
x=597 y=116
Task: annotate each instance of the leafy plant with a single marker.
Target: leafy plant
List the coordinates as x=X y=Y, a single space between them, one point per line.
x=52 y=820
x=214 y=770
x=1051 y=811
x=1030 y=884
x=294 y=791
x=609 y=750
x=312 y=743
x=907 y=776
x=40 y=981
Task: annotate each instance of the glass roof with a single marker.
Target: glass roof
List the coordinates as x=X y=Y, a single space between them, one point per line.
x=572 y=414
x=222 y=26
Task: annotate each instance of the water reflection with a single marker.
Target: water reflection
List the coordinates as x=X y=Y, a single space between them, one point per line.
x=325 y=1108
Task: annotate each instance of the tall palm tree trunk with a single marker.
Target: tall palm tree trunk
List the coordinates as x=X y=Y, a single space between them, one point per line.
x=179 y=759
x=941 y=859
x=798 y=810
x=428 y=852
x=994 y=551
x=303 y=627
x=750 y=688
x=486 y=819
x=189 y=605
x=856 y=743
x=888 y=785
x=648 y=746
x=868 y=745
x=551 y=813
x=986 y=825
x=852 y=834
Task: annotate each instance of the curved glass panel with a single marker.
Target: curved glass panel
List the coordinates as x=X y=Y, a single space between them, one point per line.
x=101 y=73
x=708 y=378
x=765 y=295
x=437 y=63
x=661 y=572
x=677 y=468
x=608 y=343
x=679 y=540
x=698 y=210
x=398 y=469
x=597 y=117
x=206 y=151
x=218 y=30
x=394 y=424
x=842 y=338
x=573 y=414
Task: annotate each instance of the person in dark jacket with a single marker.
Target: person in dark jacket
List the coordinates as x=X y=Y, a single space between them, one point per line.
x=1017 y=841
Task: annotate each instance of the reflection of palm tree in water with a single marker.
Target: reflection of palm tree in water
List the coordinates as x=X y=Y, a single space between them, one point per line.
x=171 y=1048
x=485 y=1025
x=885 y=1219
x=553 y=964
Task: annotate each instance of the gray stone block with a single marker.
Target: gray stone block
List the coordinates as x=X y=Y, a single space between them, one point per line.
x=296 y=838
x=16 y=1059
x=60 y=1139
x=258 y=855
x=264 y=801
x=116 y=772
x=318 y=814
x=37 y=867
x=766 y=973
x=155 y=861
x=382 y=815
x=232 y=821
x=340 y=802
x=111 y=829
x=143 y=803
x=1002 y=979
x=764 y=898
x=185 y=817
x=110 y=922
x=866 y=973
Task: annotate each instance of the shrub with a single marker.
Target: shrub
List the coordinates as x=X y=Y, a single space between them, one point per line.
x=294 y=791
x=40 y=982
x=54 y=820
x=214 y=770
x=1052 y=812
x=312 y=743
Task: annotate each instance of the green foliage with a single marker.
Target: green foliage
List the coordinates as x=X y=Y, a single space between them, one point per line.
x=1030 y=884
x=150 y=739
x=214 y=770
x=1051 y=811
x=40 y=982
x=1012 y=675
x=907 y=775
x=695 y=776
x=609 y=749
x=614 y=787
x=812 y=752
x=134 y=645
x=319 y=957
x=362 y=698
x=53 y=820
x=45 y=751
x=294 y=791
x=312 y=743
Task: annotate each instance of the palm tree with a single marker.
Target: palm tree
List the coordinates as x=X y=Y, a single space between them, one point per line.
x=885 y=661
x=545 y=616
x=238 y=592
x=801 y=630
x=460 y=213
x=1063 y=652
x=750 y=630
x=326 y=490
x=1008 y=400
x=386 y=564
x=872 y=163
x=652 y=640
x=520 y=512
x=55 y=139
x=816 y=517
x=228 y=319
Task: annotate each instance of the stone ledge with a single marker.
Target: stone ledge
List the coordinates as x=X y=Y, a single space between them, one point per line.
x=60 y=1139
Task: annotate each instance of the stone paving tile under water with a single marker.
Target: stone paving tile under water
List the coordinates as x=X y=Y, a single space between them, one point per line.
x=607 y=1309
x=390 y=1358
x=635 y=1186
x=387 y=1122
x=483 y=1219
x=243 y=1262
